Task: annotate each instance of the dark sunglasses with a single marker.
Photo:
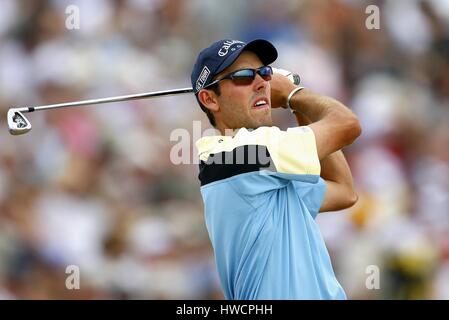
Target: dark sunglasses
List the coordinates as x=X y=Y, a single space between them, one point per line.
x=245 y=77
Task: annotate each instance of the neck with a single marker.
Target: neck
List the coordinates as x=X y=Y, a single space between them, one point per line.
x=227 y=131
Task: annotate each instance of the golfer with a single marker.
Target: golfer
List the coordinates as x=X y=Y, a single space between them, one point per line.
x=263 y=187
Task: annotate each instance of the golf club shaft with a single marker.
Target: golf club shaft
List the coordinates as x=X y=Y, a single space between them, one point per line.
x=293 y=77
x=129 y=97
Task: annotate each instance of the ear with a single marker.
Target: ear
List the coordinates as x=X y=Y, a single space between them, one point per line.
x=208 y=99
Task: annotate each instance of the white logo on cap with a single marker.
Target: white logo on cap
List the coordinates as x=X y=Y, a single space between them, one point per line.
x=227 y=45
x=202 y=78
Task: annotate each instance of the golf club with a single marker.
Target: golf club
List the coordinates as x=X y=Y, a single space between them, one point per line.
x=18 y=124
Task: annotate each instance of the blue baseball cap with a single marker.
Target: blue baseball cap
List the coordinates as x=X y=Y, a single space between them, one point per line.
x=221 y=54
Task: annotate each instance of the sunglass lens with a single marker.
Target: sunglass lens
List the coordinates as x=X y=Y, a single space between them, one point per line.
x=246 y=76
x=265 y=73
x=243 y=77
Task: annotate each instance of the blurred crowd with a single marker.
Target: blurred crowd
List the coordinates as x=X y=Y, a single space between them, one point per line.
x=94 y=187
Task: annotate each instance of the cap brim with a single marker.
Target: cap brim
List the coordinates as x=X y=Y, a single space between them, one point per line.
x=266 y=52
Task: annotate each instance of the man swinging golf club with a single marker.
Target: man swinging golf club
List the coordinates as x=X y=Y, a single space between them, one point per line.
x=260 y=215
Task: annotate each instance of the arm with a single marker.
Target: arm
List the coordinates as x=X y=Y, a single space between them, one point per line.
x=334 y=125
x=340 y=193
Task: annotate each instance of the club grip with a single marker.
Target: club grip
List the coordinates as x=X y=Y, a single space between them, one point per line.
x=291 y=76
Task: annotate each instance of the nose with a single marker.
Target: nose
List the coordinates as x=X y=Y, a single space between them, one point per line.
x=259 y=83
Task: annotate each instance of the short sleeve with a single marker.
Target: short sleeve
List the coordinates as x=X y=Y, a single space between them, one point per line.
x=312 y=194
x=294 y=151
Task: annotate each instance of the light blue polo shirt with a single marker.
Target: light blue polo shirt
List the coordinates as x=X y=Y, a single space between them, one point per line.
x=262 y=191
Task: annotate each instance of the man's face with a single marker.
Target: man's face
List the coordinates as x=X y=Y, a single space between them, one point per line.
x=237 y=102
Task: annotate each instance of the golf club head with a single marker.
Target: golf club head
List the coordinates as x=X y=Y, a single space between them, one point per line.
x=17 y=123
